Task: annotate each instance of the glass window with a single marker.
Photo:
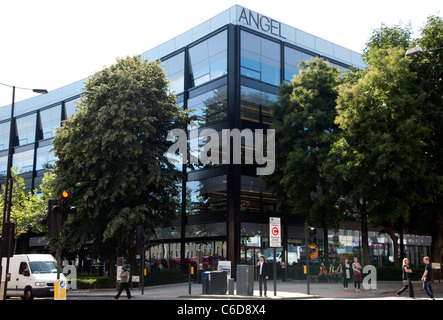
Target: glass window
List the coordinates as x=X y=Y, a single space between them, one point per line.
x=206 y=195
x=24 y=160
x=71 y=106
x=255 y=105
x=210 y=106
x=26 y=129
x=292 y=59
x=3 y=166
x=209 y=59
x=49 y=120
x=4 y=135
x=174 y=68
x=260 y=58
x=45 y=158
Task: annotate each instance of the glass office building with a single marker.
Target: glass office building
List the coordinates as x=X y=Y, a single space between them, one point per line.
x=228 y=69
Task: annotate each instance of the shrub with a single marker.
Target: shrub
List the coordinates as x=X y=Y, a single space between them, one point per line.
x=94 y=282
x=154 y=277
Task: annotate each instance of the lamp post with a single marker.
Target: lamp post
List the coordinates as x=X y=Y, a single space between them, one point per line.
x=8 y=189
x=417 y=50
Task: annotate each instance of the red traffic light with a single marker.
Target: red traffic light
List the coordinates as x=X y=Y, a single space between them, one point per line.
x=65 y=194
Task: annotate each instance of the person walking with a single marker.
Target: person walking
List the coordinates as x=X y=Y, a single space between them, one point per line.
x=124 y=283
x=427 y=278
x=262 y=270
x=356 y=274
x=346 y=274
x=406 y=271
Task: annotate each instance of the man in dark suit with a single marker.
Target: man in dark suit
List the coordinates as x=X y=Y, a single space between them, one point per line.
x=262 y=270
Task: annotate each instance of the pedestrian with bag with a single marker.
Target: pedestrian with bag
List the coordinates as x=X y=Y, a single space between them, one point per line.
x=124 y=283
x=406 y=272
x=356 y=274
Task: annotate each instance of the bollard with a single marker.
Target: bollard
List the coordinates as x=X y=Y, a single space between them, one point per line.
x=204 y=286
x=190 y=271
x=231 y=286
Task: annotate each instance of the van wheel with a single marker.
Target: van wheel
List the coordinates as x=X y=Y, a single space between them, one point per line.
x=28 y=294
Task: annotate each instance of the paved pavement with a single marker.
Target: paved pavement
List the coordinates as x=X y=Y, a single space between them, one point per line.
x=289 y=290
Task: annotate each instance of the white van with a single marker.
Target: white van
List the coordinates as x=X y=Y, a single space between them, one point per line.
x=32 y=275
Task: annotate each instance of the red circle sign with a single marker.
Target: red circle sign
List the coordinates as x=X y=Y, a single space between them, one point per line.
x=275 y=231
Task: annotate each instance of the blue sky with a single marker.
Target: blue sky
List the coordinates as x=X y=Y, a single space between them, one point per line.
x=51 y=43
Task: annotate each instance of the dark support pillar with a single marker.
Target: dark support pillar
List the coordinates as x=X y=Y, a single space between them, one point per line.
x=233 y=171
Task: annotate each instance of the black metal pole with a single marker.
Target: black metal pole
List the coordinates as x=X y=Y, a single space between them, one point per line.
x=189 y=275
x=142 y=280
x=8 y=190
x=275 y=272
x=59 y=249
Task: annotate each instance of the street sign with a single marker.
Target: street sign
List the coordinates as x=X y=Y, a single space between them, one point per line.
x=60 y=290
x=274 y=232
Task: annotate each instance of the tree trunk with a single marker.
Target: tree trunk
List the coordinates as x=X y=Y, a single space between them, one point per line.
x=390 y=231
x=325 y=244
x=364 y=232
x=132 y=259
x=111 y=273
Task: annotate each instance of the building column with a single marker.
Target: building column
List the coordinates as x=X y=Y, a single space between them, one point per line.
x=233 y=170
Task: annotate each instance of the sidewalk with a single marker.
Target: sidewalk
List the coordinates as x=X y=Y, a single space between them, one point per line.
x=288 y=290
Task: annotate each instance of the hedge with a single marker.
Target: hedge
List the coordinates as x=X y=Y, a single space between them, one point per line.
x=154 y=277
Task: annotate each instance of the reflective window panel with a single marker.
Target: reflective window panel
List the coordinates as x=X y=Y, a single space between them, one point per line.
x=209 y=59
x=50 y=119
x=174 y=68
x=260 y=58
x=26 y=129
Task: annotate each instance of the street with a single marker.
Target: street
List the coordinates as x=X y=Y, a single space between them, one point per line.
x=289 y=290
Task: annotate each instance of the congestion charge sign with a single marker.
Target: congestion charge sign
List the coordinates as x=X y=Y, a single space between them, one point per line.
x=274 y=232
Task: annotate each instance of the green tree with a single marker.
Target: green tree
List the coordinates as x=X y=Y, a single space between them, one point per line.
x=112 y=156
x=428 y=215
x=379 y=158
x=27 y=210
x=305 y=130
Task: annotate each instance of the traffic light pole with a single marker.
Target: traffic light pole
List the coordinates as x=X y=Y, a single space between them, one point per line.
x=59 y=250
x=142 y=280
x=58 y=211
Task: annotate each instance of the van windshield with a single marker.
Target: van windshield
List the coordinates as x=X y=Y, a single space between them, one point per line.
x=42 y=267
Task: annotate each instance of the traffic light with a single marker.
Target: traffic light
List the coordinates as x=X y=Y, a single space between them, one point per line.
x=58 y=211
x=65 y=198
x=65 y=207
x=139 y=239
x=53 y=218
x=312 y=236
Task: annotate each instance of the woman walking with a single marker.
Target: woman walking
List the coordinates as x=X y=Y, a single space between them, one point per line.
x=406 y=271
x=124 y=283
x=356 y=274
x=346 y=274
